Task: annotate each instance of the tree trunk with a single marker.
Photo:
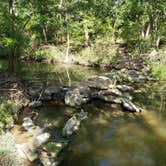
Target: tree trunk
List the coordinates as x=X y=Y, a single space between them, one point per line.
x=158 y=42
x=86 y=36
x=147 y=31
x=68 y=39
x=44 y=34
x=11 y=61
x=11 y=7
x=68 y=76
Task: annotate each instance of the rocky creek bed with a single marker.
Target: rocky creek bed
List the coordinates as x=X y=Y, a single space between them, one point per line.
x=36 y=142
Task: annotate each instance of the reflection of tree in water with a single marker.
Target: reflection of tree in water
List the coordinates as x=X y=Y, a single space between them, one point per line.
x=54 y=74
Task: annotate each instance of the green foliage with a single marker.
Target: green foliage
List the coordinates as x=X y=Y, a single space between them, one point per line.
x=7 y=111
x=157 y=62
x=101 y=53
x=140 y=24
x=8 y=42
x=158 y=70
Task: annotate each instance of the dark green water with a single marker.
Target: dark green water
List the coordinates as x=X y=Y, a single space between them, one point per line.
x=109 y=137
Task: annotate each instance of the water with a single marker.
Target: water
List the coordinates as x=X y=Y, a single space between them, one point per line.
x=109 y=137
x=68 y=75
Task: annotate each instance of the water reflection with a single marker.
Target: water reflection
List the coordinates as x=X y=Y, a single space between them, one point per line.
x=121 y=139
x=54 y=74
x=109 y=137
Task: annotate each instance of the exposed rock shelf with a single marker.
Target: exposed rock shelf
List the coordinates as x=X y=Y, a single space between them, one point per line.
x=100 y=87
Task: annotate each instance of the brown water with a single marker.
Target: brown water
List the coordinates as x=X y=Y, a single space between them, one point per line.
x=111 y=137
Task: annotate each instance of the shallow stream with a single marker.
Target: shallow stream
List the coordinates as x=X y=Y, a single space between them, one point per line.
x=109 y=137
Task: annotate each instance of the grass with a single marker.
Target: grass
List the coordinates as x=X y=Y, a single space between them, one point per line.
x=101 y=52
x=158 y=64
x=8 y=155
x=158 y=70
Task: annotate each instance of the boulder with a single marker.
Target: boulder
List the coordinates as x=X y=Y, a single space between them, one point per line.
x=73 y=123
x=49 y=91
x=100 y=82
x=115 y=75
x=60 y=94
x=35 y=104
x=42 y=138
x=112 y=95
x=35 y=91
x=128 y=105
x=48 y=153
x=124 y=88
x=77 y=96
x=28 y=124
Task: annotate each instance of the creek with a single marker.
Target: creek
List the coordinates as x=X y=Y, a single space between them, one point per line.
x=108 y=136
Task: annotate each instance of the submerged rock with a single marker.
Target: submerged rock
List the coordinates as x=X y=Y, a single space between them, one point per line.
x=36 y=137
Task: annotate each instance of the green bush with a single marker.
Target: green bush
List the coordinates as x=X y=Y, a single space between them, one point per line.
x=7 y=112
x=102 y=52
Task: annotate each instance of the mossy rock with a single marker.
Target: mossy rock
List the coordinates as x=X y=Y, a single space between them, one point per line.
x=54 y=147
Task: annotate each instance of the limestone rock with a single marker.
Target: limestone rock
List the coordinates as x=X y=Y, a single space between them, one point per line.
x=100 y=82
x=77 y=96
x=42 y=138
x=48 y=153
x=35 y=91
x=35 y=104
x=128 y=105
x=28 y=124
x=73 y=123
x=124 y=88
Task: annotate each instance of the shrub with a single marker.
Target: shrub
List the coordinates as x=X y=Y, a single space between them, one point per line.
x=7 y=112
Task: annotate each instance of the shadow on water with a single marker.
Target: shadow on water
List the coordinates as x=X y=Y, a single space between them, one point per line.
x=67 y=75
x=109 y=137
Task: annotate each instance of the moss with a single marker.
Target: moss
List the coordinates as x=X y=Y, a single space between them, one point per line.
x=53 y=148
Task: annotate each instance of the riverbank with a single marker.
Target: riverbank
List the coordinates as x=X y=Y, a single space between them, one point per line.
x=104 y=55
